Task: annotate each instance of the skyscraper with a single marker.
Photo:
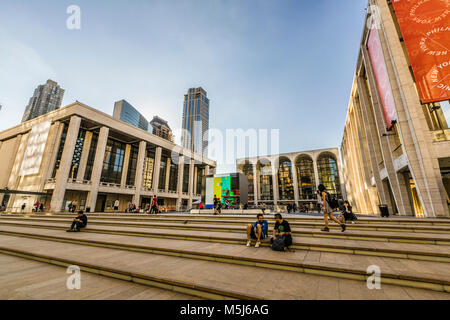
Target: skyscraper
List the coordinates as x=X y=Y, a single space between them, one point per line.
x=195 y=120
x=126 y=112
x=160 y=127
x=46 y=98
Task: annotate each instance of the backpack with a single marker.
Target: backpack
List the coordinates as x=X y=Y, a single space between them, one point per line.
x=332 y=201
x=278 y=244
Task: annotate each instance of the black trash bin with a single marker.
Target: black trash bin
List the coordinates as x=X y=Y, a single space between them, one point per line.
x=384 y=210
x=88 y=209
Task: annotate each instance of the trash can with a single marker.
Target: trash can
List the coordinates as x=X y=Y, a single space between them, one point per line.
x=384 y=210
x=88 y=209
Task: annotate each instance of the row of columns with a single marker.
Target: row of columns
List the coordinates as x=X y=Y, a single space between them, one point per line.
x=275 y=186
x=63 y=173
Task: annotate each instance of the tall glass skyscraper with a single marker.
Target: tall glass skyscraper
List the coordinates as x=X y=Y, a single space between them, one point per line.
x=46 y=98
x=127 y=113
x=195 y=120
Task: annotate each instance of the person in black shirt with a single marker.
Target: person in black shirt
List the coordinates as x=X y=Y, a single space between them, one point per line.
x=282 y=228
x=79 y=222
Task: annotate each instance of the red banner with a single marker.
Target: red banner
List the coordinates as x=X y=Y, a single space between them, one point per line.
x=381 y=76
x=425 y=26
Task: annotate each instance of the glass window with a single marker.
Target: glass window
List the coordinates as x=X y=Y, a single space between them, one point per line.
x=285 y=185
x=265 y=181
x=132 y=165
x=306 y=180
x=113 y=162
x=329 y=175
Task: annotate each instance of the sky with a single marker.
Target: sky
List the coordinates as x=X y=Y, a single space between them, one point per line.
x=265 y=64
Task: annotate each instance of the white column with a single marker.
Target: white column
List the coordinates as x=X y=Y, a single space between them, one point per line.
x=166 y=183
x=51 y=165
x=156 y=169
x=180 y=182
x=275 y=185
x=65 y=164
x=255 y=184
x=97 y=168
x=195 y=180
x=139 y=173
x=295 y=178
x=316 y=172
x=126 y=163
x=191 y=181
x=84 y=156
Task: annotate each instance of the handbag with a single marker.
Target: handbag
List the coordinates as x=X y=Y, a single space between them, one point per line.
x=278 y=244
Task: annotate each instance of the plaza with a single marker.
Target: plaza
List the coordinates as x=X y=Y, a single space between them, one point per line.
x=394 y=153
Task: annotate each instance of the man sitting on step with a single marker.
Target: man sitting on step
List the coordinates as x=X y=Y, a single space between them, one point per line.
x=257 y=231
x=79 y=222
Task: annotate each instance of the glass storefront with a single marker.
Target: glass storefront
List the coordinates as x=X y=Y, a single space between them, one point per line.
x=285 y=184
x=113 y=162
x=149 y=164
x=306 y=180
x=329 y=174
x=265 y=181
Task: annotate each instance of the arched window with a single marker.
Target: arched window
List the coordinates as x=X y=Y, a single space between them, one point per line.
x=306 y=180
x=329 y=174
x=265 y=180
x=285 y=183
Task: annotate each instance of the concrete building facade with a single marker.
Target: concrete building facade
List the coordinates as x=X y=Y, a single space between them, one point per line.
x=292 y=177
x=46 y=98
x=80 y=154
x=405 y=165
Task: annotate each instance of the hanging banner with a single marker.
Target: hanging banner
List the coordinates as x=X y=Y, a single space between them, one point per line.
x=35 y=148
x=425 y=27
x=381 y=77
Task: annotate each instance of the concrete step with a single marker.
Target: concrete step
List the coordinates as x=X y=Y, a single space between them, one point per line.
x=23 y=279
x=235 y=218
x=423 y=252
x=390 y=236
x=211 y=279
x=225 y=222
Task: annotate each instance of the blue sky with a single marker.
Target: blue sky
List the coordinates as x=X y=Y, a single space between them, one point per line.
x=285 y=64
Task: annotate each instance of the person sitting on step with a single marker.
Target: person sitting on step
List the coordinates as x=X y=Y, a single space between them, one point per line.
x=257 y=231
x=79 y=222
x=282 y=229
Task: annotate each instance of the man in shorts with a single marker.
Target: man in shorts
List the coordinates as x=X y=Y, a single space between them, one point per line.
x=257 y=231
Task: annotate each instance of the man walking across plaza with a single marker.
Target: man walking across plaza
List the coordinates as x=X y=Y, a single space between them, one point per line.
x=257 y=231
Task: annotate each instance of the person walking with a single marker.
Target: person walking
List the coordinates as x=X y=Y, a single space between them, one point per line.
x=328 y=210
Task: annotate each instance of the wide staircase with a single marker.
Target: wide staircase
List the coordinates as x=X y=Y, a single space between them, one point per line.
x=205 y=256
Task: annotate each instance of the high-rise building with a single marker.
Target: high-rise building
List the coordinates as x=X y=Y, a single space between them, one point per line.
x=127 y=113
x=46 y=98
x=160 y=128
x=195 y=120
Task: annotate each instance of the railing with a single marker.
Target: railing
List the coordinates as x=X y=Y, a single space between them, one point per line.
x=129 y=187
x=113 y=185
x=147 y=189
x=51 y=180
x=71 y=180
